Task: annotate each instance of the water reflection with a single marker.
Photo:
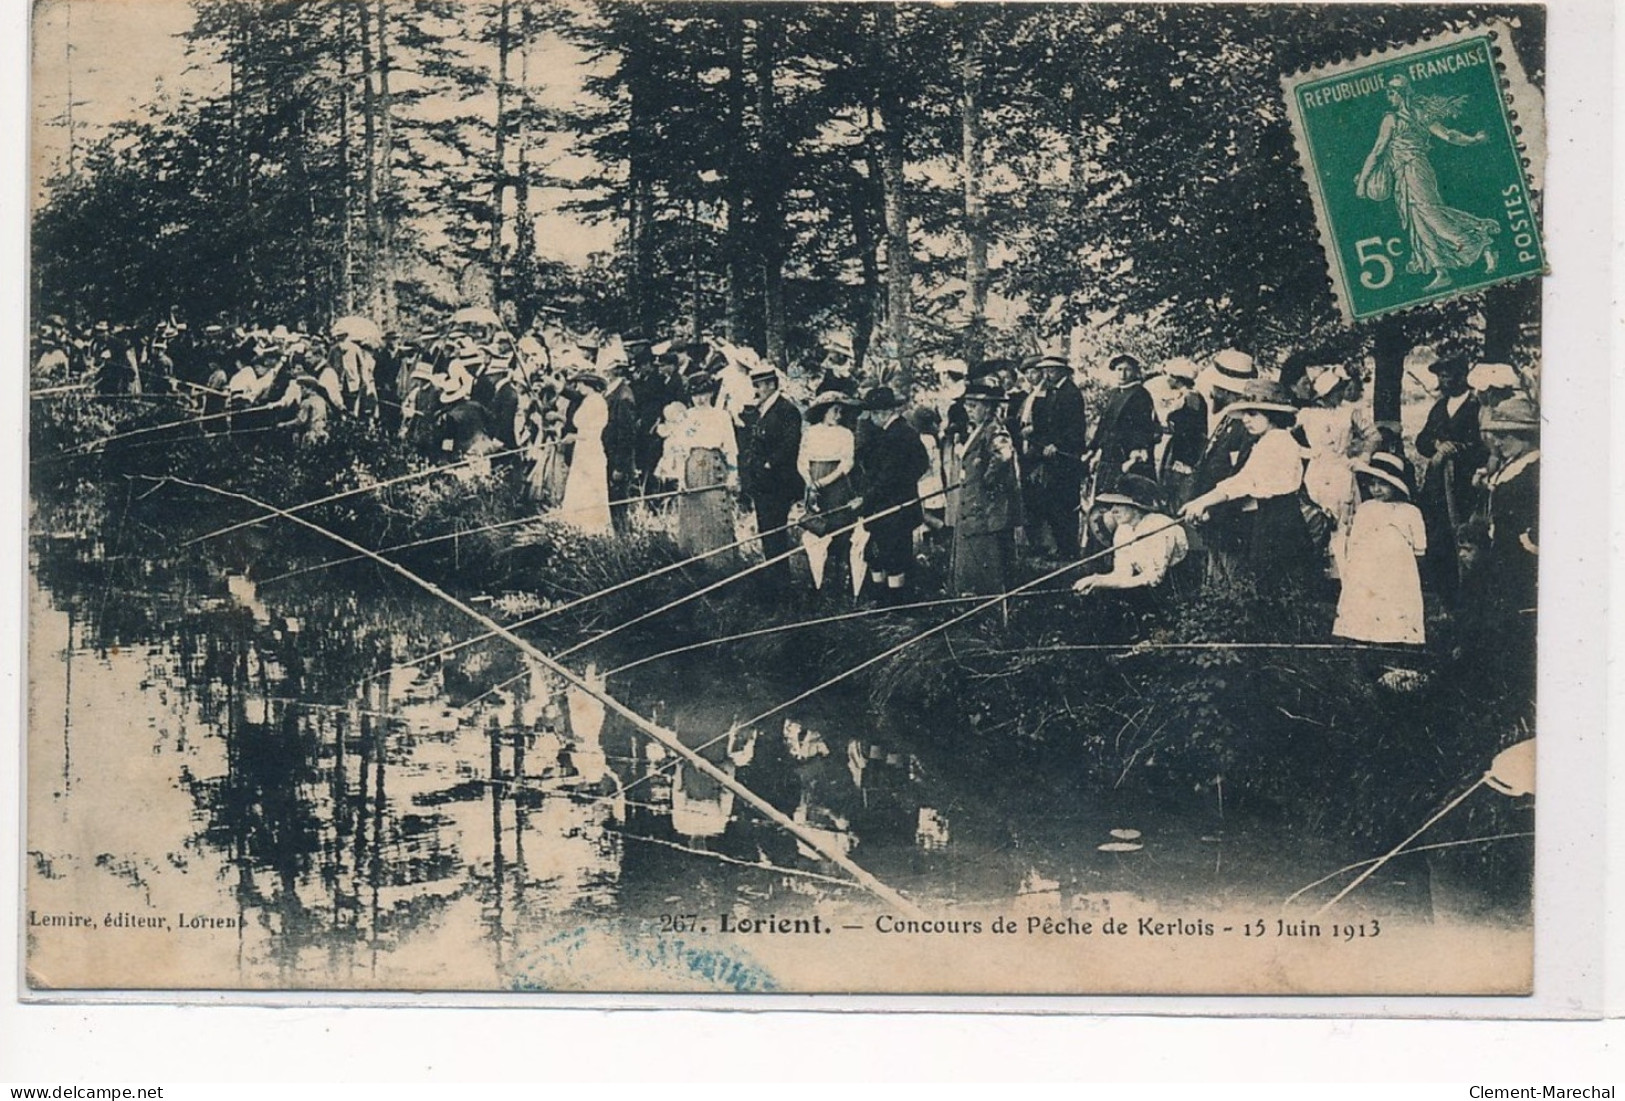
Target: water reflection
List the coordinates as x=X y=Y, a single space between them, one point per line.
x=418 y=828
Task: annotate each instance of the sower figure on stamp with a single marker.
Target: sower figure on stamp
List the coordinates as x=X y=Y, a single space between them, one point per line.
x=989 y=498
x=1454 y=452
x=893 y=461
x=1442 y=238
x=1054 y=452
x=773 y=427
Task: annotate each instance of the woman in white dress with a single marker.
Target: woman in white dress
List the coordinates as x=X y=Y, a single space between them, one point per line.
x=1339 y=431
x=586 y=487
x=1381 y=599
x=825 y=463
x=706 y=451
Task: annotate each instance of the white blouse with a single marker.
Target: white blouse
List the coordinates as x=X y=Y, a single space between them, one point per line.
x=828 y=443
x=1274 y=468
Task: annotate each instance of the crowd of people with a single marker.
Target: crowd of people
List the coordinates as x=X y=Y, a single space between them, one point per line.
x=1277 y=479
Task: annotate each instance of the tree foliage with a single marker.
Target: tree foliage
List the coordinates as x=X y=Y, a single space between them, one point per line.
x=772 y=171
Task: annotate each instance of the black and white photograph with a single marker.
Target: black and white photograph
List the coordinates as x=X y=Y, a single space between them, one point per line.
x=641 y=497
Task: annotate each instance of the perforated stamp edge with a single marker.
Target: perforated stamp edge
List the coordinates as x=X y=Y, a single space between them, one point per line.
x=1523 y=109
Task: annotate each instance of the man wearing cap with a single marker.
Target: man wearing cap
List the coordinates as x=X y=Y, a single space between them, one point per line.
x=772 y=446
x=1056 y=438
x=1126 y=434
x=989 y=510
x=1455 y=452
x=892 y=460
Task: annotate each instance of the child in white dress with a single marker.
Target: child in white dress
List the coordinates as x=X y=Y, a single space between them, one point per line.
x=1382 y=581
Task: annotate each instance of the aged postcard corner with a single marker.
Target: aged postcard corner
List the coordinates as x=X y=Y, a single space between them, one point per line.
x=867 y=499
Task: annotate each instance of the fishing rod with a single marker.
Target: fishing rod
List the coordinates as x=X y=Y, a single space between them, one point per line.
x=371 y=488
x=740 y=574
x=620 y=586
x=985 y=604
x=1295 y=895
x=92 y=445
x=480 y=530
x=53 y=390
x=1061 y=648
x=667 y=738
x=797 y=625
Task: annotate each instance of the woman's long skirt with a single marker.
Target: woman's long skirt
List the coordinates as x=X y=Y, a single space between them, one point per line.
x=705 y=519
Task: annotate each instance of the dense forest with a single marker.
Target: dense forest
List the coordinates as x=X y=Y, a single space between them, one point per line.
x=924 y=179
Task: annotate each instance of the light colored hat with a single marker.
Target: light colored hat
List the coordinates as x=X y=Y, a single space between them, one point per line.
x=1231 y=371
x=1181 y=367
x=1515 y=414
x=956 y=368
x=1329 y=379
x=1392 y=469
x=1491 y=376
x=1052 y=363
x=1261 y=396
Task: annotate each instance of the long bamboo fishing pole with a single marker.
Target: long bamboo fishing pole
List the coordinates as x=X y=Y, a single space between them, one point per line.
x=796 y=625
x=371 y=488
x=481 y=530
x=738 y=575
x=91 y=445
x=619 y=586
x=666 y=738
x=1295 y=895
x=1399 y=848
x=912 y=639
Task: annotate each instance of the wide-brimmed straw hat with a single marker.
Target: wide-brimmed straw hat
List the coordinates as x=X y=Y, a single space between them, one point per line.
x=1133 y=490
x=1390 y=468
x=1230 y=371
x=1515 y=414
x=1261 y=396
x=589 y=378
x=702 y=382
x=823 y=401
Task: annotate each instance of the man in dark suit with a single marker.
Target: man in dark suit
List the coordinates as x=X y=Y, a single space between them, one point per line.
x=621 y=440
x=892 y=461
x=1455 y=452
x=1056 y=440
x=772 y=444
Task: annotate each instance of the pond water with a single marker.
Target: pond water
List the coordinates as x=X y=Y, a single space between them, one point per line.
x=262 y=759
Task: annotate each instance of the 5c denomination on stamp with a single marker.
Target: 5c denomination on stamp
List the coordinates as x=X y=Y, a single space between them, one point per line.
x=1420 y=164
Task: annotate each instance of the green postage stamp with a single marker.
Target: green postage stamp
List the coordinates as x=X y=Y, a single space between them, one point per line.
x=1424 y=167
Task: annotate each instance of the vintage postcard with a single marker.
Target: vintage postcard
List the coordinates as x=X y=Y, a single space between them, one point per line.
x=563 y=496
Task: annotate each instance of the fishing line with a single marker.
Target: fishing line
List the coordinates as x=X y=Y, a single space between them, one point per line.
x=371 y=488
x=666 y=738
x=480 y=530
x=1293 y=897
x=619 y=586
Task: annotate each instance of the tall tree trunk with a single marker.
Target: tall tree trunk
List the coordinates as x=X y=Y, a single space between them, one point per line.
x=499 y=173
x=639 y=186
x=524 y=274
x=770 y=176
x=386 y=173
x=369 y=166
x=736 y=263
x=1507 y=306
x=970 y=71
x=1389 y=349
x=864 y=205
x=899 y=258
x=346 y=215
